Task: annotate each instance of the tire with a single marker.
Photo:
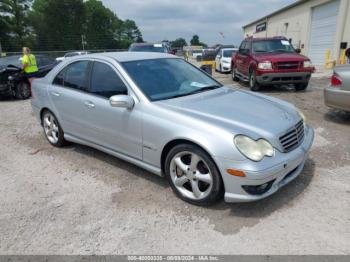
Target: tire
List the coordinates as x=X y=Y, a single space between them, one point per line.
x=253 y=84
x=200 y=184
x=234 y=76
x=52 y=129
x=301 y=87
x=220 y=68
x=22 y=90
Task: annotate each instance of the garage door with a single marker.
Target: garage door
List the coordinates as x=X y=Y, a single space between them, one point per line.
x=323 y=30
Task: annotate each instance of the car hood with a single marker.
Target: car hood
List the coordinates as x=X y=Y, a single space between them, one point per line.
x=280 y=57
x=237 y=111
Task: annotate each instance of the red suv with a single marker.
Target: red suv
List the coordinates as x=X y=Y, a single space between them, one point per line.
x=271 y=61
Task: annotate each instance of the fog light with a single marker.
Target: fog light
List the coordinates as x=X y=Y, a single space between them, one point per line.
x=258 y=190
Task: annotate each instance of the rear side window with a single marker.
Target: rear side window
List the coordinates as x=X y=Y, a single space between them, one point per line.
x=59 y=78
x=76 y=75
x=105 y=81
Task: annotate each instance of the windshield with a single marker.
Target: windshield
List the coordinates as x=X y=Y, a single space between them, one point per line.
x=10 y=60
x=228 y=53
x=148 y=48
x=272 y=46
x=168 y=78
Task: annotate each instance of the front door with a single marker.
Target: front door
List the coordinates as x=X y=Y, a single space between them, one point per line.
x=118 y=129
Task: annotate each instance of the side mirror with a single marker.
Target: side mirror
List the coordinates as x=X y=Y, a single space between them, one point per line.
x=298 y=50
x=122 y=101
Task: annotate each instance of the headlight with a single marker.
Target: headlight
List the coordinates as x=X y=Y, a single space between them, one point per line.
x=265 y=65
x=307 y=64
x=255 y=150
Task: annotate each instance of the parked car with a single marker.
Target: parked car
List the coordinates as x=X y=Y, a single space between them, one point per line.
x=337 y=94
x=271 y=61
x=163 y=114
x=13 y=81
x=150 y=47
x=71 y=54
x=223 y=59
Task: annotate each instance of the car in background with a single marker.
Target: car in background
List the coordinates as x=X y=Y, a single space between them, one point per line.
x=71 y=54
x=223 y=59
x=167 y=116
x=271 y=61
x=13 y=81
x=150 y=47
x=337 y=94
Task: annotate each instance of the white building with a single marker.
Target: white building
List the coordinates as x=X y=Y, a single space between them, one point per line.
x=317 y=27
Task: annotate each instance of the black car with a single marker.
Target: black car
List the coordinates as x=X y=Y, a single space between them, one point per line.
x=13 y=82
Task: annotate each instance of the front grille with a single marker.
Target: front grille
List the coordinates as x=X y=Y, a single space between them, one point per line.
x=287 y=65
x=293 y=137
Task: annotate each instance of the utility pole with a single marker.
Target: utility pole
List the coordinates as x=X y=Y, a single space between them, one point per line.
x=83 y=42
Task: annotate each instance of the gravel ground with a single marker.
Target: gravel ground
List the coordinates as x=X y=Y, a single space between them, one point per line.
x=77 y=200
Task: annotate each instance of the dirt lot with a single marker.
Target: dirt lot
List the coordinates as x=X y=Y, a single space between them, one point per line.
x=78 y=200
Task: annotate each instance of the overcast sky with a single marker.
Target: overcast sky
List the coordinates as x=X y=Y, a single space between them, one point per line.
x=170 y=19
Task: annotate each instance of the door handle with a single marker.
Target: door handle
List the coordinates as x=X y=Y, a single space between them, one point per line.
x=89 y=104
x=55 y=94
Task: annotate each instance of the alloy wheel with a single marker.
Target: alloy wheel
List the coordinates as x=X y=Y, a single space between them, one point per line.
x=51 y=128
x=191 y=175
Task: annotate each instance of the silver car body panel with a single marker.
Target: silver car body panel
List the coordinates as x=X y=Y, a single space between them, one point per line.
x=338 y=97
x=210 y=119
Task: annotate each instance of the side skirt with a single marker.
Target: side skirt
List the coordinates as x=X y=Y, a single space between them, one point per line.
x=139 y=163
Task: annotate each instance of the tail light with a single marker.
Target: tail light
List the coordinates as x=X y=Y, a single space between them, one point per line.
x=336 y=80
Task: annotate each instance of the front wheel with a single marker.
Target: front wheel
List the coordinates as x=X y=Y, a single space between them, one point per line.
x=22 y=90
x=193 y=175
x=234 y=75
x=301 y=87
x=253 y=84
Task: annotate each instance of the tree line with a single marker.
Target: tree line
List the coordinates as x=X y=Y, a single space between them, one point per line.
x=47 y=25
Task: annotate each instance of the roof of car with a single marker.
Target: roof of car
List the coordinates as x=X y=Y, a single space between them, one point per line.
x=266 y=38
x=130 y=56
x=146 y=44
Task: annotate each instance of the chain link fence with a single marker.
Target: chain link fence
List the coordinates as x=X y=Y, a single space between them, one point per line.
x=55 y=54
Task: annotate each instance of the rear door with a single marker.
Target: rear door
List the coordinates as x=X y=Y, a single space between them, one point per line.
x=68 y=94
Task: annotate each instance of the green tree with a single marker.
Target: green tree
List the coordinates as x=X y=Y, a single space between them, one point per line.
x=129 y=33
x=58 y=24
x=100 y=26
x=178 y=43
x=195 y=41
x=14 y=23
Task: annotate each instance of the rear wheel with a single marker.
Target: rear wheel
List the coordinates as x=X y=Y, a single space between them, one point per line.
x=22 y=90
x=193 y=175
x=52 y=129
x=301 y=87
x=253 y=84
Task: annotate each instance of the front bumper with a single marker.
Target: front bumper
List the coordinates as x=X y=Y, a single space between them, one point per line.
x=225 y=67
x=337 y=98
x=279 y=170
x=6 y=89
x=283 y=78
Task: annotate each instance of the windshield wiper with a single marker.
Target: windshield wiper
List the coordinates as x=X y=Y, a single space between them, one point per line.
x=200 y=90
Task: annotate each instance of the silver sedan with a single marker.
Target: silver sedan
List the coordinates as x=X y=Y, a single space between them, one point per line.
x=167 y=116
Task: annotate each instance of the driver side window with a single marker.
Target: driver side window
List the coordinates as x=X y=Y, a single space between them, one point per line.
x=105 y=81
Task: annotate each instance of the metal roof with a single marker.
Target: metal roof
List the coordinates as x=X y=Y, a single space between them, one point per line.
x=129 y=56
x=298 y=2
